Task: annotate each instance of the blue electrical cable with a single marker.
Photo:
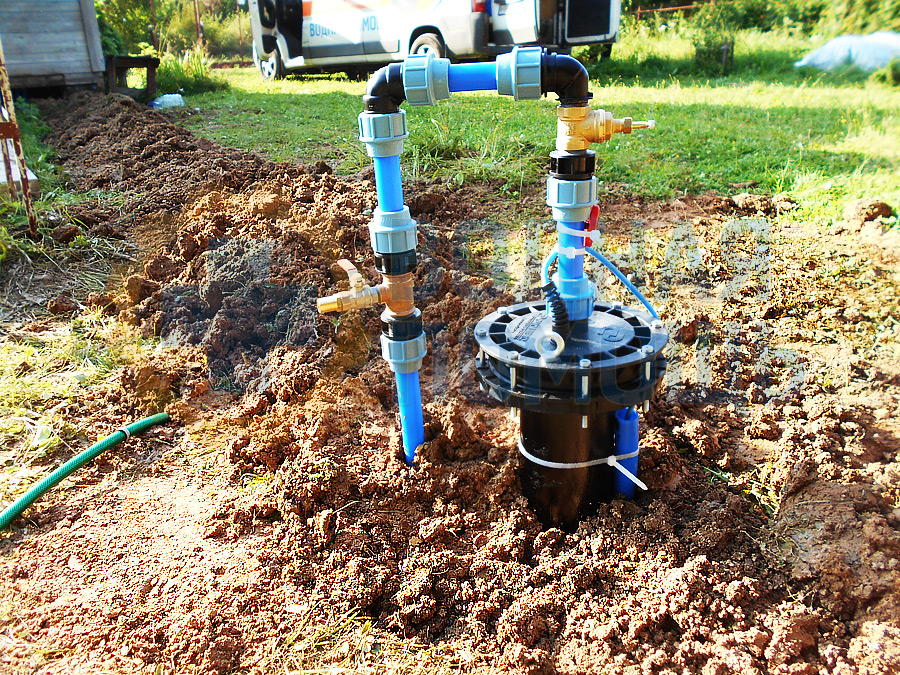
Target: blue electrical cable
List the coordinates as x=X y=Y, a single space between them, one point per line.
x=545 y=267
x=621 y=277
x=554 y=254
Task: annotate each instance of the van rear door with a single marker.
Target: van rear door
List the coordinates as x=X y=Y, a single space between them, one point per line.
x=514 y=22
x=590 y=22
x=263 y=15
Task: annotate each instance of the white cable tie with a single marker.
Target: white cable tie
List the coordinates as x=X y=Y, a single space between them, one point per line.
x=625 y=472
x=612 y=460
x=587 y=235
x=570 y=251
x=125 y=431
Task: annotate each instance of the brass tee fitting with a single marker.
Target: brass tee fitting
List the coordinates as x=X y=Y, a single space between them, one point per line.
x=579 y=126
x=395 y=291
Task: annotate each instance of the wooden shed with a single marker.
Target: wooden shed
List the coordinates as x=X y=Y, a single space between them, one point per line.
x=50 y=43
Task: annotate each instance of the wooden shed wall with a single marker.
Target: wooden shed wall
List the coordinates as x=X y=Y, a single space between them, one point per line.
x=51 y=42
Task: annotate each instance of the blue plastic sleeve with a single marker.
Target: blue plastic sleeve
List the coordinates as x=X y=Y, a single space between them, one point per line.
x=473 y=76
x=388 y=184
x=409 y=399
x=626 y=443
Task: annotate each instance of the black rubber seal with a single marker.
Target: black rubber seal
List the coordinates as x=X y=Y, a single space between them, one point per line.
x=395 y=263
x=577 y=165
x=402 y=328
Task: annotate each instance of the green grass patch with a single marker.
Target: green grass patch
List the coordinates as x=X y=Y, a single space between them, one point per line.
x=42 y=374
x=826 y=138
x=51 y=206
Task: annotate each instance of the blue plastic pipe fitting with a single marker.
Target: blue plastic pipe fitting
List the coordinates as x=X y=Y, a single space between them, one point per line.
x=570 y=202
x=428 y=79
x=388 y=184
x=626 y=444
x=575 y=287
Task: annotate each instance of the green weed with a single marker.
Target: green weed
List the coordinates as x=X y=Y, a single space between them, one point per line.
x=753 y=486
x=188 y=74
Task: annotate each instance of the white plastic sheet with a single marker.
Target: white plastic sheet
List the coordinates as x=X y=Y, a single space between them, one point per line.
x=866 y=52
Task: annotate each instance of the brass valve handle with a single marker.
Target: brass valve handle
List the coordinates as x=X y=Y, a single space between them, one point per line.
x=360 y=295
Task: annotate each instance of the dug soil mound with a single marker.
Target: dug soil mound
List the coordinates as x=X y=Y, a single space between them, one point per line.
x=282 y=513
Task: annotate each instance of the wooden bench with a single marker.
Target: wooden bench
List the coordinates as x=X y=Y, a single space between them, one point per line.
x=117 y=68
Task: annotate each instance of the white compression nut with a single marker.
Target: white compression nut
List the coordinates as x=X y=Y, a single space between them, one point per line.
x=571 y=200
x=392 y=232
x=383 y=133
x=426 y=79
x=519 y=73
x=404 y=356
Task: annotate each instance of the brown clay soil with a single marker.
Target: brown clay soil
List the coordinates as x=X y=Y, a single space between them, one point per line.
x=275 y=511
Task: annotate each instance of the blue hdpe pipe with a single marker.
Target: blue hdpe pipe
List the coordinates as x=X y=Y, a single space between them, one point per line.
x=571 y=269
x=388 y=185
x=472 y=76
x=409 y=399
x=389 y=190
x=626 y=443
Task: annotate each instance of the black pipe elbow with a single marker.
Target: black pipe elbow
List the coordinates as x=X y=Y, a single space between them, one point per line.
x=566 y=77
x=384 y=92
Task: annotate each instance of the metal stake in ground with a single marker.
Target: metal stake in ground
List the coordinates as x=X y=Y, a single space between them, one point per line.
x=12 y=132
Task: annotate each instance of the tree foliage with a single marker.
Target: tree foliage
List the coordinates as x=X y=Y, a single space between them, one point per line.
x=861 y=16
x=126 y=25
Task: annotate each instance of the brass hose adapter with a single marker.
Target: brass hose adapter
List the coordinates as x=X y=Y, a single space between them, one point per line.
x=579 y=126
x=396 y=291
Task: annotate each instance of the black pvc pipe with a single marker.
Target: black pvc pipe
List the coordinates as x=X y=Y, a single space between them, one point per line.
x=560 y=496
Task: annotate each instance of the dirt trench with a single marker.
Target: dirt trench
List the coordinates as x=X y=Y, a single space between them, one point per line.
x=767 y=542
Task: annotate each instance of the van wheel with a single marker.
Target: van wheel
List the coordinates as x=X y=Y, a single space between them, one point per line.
x=428 y=43
x=271 y=68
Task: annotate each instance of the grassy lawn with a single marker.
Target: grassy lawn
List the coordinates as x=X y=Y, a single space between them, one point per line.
x=826 y=138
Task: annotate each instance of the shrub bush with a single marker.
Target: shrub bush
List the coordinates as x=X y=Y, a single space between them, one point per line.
x=860 y=16
x=890 y=74
x=712 y=31
x=223 y=35
x=179 y=32
x=111 y=39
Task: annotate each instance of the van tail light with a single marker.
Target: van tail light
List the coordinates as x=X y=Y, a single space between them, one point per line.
x=479 y=6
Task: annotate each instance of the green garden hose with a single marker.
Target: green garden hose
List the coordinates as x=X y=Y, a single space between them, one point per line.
x=38 y=489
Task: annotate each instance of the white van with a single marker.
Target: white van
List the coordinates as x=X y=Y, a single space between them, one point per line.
x=359 y=36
